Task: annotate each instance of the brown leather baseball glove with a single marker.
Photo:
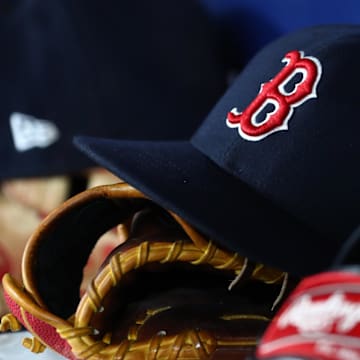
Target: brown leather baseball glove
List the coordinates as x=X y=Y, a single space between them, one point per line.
x=168 y=292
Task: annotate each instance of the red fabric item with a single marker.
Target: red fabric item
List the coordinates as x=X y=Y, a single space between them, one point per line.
x=320 y=320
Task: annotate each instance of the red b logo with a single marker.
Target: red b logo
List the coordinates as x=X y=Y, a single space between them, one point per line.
x=274 y=93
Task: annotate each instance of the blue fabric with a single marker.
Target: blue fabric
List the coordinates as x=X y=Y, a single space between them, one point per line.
x=254 y=23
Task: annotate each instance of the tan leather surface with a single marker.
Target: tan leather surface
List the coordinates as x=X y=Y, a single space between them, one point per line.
x=163 y=292
x=25 y=202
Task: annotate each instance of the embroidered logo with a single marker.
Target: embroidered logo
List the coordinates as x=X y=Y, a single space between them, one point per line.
x=321 y=316
x=29 y=132
x=291 y=87
x=321 y=320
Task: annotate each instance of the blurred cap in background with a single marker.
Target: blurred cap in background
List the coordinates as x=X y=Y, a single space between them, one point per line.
x=134 y=69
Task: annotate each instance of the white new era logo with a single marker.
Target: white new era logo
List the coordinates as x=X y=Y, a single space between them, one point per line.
x=29 y=132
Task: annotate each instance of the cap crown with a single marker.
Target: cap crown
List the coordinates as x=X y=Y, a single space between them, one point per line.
x=289 y=127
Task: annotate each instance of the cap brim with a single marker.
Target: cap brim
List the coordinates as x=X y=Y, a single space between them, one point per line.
x=180 y=178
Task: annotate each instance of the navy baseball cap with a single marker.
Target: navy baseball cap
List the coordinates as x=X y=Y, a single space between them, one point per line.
x=272 y=172
x=137 y=69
